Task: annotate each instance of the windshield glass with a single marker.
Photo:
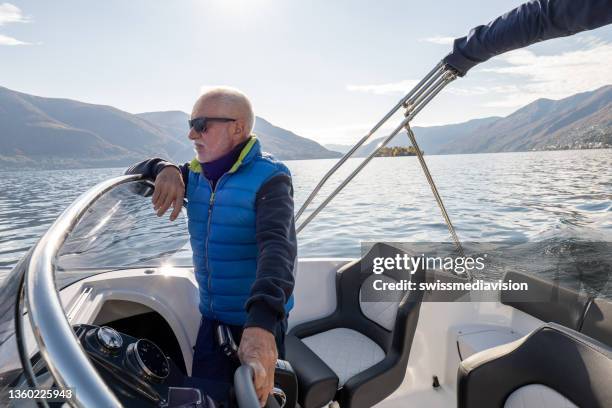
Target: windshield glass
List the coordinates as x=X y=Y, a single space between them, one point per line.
x=121 y=230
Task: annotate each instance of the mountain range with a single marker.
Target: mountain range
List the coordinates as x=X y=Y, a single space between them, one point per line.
x=40 y=132
x=583 y=120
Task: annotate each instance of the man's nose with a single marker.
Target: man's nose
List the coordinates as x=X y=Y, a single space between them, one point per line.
x=193 y=135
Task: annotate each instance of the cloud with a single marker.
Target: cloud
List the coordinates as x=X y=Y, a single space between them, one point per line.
x=11 y=14
x=590 y=40
x=524 y=76
x=554 y=76
x=402 y=88
x=6 y=40
x=385 y=89
x=440 y=40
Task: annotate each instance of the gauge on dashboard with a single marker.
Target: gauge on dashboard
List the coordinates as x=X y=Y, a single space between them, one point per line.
x=149 y=358
x=109 y=338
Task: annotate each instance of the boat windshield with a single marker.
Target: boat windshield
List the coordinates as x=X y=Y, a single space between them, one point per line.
x=121 y=230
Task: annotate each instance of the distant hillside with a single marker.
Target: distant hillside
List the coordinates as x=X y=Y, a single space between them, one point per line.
x=282 y=143
x=572 y=122
x=580 y=121
x=42 y=131
x=289 y=145
x=61 y=133
x=337 y=147
x=432 y=139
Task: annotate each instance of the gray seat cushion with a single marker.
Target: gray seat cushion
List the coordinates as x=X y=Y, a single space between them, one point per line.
x=381 y=312
x=347 y=352
x=537 y=395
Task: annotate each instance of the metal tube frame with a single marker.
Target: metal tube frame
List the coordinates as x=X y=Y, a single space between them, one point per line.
x=413 y=102
x=59 y=347
x=407 y=100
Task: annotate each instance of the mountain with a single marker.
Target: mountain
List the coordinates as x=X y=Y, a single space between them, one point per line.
x=42 y=132
x=432 y=139
x=61 y=133
x=337 y=147
x=572 y=122
x=582 y=120
x=36 y=130
x=278 y=139
x=282 y=143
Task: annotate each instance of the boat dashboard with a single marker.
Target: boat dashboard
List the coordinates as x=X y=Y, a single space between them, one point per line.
x=140 y=374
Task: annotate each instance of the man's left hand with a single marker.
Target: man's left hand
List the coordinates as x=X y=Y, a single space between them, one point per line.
x=258 y=349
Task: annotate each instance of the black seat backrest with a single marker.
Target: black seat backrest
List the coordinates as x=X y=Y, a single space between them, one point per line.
x=567 y=361
x=377 y=382
x=598 y=321
x=349 y=285
x=546 y=300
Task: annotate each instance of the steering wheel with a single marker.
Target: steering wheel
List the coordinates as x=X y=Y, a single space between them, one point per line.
x=244 y=387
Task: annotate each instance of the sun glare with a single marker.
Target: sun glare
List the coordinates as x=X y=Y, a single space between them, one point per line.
x=242 y=8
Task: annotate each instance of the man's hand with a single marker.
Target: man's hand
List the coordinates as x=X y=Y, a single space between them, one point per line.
x=258 y=349
x=169 y=190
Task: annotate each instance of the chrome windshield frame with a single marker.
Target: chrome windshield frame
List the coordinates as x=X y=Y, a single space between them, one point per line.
x=58 y=345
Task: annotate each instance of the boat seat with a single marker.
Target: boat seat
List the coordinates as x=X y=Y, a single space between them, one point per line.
x=598 y=321
x=357 y=355
x=549 y=302
x=566 y=367
x=347 y=352
x=546 y=300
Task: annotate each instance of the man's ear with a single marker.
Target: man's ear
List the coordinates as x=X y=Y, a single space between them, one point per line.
x=239 y=126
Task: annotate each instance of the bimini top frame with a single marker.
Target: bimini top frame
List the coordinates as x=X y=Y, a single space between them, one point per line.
x=413 y=103
x=527 y=24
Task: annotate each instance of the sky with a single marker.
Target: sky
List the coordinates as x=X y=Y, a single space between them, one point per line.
x=326 y=70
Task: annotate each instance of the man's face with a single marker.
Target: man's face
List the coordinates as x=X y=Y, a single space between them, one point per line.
x=219 y=138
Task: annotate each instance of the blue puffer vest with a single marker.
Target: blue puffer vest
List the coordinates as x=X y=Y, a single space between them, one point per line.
x=222 y=231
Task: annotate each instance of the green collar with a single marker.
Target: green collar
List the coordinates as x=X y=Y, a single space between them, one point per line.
x=196 y=167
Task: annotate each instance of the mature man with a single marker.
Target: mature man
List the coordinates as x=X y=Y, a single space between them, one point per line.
x=240 y=212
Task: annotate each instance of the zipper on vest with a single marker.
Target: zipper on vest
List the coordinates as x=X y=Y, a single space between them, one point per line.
x=211 y=203
x=210 y=207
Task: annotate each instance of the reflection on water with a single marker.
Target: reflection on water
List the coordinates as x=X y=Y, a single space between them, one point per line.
x=550 y=197
x=580 y=265
x=535 y=196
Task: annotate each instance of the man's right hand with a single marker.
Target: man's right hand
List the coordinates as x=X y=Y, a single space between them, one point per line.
x=169 y=191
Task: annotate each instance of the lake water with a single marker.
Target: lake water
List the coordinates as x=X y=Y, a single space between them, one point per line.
x=534 y=196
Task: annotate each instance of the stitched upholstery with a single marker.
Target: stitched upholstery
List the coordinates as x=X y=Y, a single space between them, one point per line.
x=347 y=352
x=382 y=313
x=537 y=395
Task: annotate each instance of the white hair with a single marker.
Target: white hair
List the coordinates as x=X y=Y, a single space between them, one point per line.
x=233 y=98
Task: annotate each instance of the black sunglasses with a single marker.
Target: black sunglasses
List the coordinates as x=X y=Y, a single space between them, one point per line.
x=199 y=124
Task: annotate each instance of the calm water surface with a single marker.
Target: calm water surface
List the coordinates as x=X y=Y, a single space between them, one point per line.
x=535 y=196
